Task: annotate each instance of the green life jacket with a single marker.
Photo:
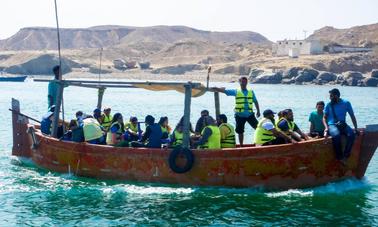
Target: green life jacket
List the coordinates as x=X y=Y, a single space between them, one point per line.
x=106 y=121
x=291 y=125
x=262 y=135
x=240 y=101
x=229 y=141
x=178 y=138
x=213 y=142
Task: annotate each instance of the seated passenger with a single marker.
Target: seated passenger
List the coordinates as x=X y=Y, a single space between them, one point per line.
x=93 y=132
x=210 y=135
x=227 y=132
x=266 y=132
x=165 y=128
x=287 y=125
x=316 y=121
x=117 y=128
x=97 y=115
x=46 y=123
x=74 y=123
x=153 y=135
x=131 y=130
x=200 y=122
x=177 y=135
x=106 y=118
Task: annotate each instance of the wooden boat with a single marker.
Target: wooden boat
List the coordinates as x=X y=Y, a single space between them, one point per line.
x=12 y=78
x=306 y=164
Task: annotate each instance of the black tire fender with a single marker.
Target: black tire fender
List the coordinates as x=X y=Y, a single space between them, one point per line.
x=189 y=156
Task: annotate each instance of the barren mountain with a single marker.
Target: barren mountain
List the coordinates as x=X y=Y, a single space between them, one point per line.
x=366 y=35
x=39 y=38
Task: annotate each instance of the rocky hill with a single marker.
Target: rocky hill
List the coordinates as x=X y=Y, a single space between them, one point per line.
x=366 y=35
x=40 y=38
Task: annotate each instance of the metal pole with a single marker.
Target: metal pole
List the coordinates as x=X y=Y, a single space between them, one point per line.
x=99 y=72
x=208 y=77
x=58 y=100
x=101 y=91
x=188 y=99
x=217 y=104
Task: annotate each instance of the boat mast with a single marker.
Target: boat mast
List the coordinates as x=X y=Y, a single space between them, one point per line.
x=58 y=101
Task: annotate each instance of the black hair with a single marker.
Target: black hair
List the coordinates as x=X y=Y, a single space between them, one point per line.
x=116 y=116
x=79 y=113
x=56 y=70
x=321 y=103
x=149 y=120
x=162 y=120
x=223 y=117
x=205 y=112
x=335 y=91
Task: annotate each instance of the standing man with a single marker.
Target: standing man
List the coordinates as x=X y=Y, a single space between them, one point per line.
x=334 y=121
x=53 y=87
x=244 y=100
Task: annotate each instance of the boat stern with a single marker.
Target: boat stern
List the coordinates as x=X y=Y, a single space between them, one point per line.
x=368 y=148
x=21 y=140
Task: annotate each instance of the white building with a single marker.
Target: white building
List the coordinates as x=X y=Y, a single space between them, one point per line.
x=294 y=48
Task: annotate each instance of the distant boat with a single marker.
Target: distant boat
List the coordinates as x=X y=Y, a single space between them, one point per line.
x=12 y=78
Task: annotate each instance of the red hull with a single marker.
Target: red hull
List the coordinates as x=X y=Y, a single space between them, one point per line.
x=306 y=164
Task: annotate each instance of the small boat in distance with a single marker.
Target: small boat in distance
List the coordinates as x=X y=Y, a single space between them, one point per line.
x=12 y=78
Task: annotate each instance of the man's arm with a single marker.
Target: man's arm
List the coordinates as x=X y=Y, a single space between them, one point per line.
x=257 y=108
x=218 y=89
x=146 y=134
x=325 y=125
x=354 y=121
x=277 y=133
x=204 y=138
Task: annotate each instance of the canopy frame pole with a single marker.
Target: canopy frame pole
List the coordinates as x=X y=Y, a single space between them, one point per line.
x=186 y=128
x=101 y=92
x=58 y=101
x=217 y=104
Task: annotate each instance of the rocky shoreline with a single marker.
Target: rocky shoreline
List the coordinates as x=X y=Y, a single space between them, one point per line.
x=301 y=76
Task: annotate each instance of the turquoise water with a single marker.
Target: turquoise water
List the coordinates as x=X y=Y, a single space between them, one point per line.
x=32 y=197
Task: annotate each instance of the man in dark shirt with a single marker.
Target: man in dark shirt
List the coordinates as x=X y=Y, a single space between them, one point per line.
x=153 y=135
x=201 y=122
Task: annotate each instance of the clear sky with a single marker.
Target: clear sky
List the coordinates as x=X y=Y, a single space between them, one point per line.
x=275 y=19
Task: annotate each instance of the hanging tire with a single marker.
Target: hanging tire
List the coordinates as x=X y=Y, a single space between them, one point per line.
x=188 y=154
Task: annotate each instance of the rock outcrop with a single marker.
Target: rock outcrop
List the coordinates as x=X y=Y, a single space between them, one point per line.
x=178 y=69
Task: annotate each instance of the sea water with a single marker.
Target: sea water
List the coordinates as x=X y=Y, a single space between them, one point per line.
x=32 y=197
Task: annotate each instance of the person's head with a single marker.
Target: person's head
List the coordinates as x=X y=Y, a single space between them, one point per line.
x=243 y=81
x=334 y=95
x=97 y=113
x=289 y=114
x=56 y=70
x=320 y=106
x=134 y=120
x=269 y=114
x=79 y=114
x=150 y=120
x=222 y=118
x=117 y=117
x=204 y=113
x=163 y=121
x=107 y=111
x=209 y=120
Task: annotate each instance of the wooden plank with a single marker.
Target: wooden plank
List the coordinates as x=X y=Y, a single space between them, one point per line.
x=105 y=83
x=101 y=92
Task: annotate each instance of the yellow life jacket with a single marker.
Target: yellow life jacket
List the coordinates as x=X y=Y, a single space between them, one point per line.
x=132 y=127
x=213 y=142
x=178 y=138
x=229 y=140
x=109 y=140
x=291 y=125
x=92 y=129
x=262 y=135
x=106 y=121
x=240 y=101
